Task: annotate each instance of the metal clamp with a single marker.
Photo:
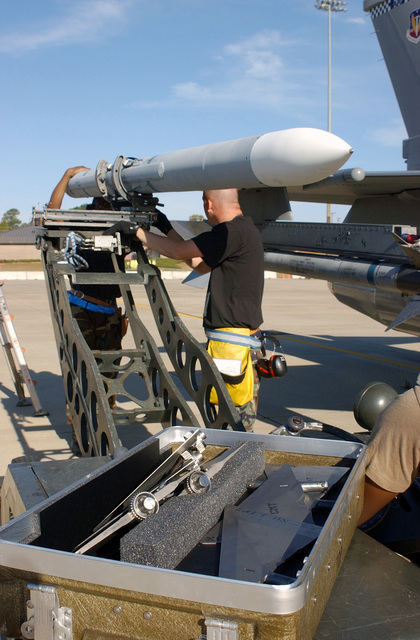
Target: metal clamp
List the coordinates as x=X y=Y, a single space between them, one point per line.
x=117 y=183
x=100 y=174
x=46 y=619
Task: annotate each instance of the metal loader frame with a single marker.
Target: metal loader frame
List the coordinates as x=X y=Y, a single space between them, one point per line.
x=87 y=387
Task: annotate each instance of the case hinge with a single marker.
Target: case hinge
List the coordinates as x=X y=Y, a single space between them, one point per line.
x=46 y=619
x=221 y=630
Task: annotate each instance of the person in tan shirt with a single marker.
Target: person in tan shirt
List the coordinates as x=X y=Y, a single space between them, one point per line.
x=393 y=453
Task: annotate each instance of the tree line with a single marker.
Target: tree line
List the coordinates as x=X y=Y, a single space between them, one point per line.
x=11 y=220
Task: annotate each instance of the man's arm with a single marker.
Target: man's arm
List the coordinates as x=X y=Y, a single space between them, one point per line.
x=375 y=498
x=60 y=190
x=163 y=224
x=198 y=265
x=175 y=247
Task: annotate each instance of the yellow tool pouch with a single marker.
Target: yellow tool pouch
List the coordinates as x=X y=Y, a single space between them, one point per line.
x=235 y=365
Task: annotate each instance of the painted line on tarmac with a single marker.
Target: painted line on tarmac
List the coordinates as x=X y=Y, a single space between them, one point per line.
x=366 y=356
x=186 y=315
x=321 y=346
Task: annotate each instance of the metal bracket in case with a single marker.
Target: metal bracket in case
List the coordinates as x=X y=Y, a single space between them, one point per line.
x=46 y=619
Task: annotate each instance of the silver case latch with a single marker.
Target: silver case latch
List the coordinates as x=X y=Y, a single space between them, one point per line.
x=46 y=619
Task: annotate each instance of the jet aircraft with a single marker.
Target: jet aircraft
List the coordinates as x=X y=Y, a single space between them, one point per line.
x=366 y=261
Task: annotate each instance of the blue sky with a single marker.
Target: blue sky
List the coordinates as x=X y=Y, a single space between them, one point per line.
x=84 y=80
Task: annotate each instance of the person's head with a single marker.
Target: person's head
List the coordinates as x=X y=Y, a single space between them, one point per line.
x=221 y=205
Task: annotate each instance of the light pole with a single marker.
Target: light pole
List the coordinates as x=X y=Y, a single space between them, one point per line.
x=330 y=5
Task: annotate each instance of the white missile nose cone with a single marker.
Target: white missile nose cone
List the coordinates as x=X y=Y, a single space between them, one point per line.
x=294 y=157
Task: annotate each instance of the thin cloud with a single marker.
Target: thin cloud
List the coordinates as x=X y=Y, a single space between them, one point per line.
x=250 y=71
x=83 y=22
x=256 y=54
x=191 y=91
x=361 y=21
x=389 y=136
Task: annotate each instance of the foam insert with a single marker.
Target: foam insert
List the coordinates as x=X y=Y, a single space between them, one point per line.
x=164 y=539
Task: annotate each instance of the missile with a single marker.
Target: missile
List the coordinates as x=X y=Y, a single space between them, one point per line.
x=386 y=292
x=369 y=274
x=292 y=157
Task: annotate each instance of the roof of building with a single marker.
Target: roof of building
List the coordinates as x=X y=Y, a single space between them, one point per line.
x=20 y=235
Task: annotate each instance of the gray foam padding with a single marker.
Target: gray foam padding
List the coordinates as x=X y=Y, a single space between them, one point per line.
x=164 y=539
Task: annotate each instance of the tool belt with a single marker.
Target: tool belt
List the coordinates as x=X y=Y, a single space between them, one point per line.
x=230 y=348
x=91 y=304
x=98 y=306
x=232 y=336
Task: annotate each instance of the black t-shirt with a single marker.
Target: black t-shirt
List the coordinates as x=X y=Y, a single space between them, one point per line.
x=235 y=253
x=100 y=262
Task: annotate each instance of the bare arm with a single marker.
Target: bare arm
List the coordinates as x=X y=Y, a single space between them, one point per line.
x=374 y=499
x=60 y=190
x=175 y=247
x=197 y=263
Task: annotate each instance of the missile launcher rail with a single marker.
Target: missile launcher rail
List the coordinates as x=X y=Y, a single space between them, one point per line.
x=373 y=257
x=370 y=241
x=87 y=387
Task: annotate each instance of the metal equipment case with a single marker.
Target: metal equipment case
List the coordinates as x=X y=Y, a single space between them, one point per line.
x=47 y=590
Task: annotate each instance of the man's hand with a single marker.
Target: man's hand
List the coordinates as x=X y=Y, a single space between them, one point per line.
x=60 y=190
x=70 y=173
x=127 y=229
x=162 y=223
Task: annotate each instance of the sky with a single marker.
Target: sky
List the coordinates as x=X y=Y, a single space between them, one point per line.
x=85 y=80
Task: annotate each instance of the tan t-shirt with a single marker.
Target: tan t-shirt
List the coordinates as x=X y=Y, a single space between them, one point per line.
x=394 y=447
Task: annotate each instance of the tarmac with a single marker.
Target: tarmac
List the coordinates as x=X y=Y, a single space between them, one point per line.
x=332 y=352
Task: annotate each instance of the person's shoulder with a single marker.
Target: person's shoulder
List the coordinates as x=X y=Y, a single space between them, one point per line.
x=241 y=227
x=242 y=222
x=410 y=398
x=248 y=229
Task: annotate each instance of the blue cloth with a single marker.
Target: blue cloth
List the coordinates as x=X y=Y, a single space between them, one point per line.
x=80 y=302
x=233 y=338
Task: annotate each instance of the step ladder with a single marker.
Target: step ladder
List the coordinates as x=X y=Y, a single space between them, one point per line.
x=16 y=360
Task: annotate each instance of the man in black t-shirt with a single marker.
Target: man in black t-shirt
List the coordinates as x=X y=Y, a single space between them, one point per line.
x=233 y=252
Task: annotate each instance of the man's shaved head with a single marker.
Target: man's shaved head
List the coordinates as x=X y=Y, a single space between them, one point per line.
x=221 y=205
x=222 y=197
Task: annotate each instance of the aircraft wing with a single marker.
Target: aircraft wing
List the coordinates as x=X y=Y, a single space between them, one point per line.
x=348 y=185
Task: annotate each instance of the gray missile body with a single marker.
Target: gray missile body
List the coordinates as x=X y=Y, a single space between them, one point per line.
x=278 y=159
x=357 y=273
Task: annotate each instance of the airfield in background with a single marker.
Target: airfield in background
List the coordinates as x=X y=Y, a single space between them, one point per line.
x=332 y=352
